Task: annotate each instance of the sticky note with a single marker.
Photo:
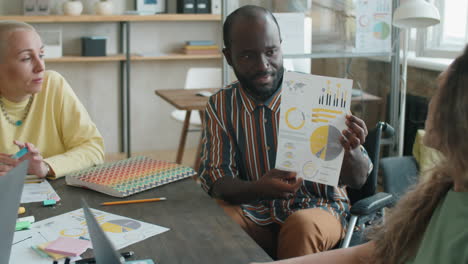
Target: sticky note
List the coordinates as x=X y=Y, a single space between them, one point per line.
x=49 y=202
x=143 y=261
x=39 y=252
x=22 y=225
x=54 y=256
x=30 y=219
x=68 y=246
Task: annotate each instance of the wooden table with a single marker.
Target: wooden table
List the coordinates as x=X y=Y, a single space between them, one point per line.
x=188 y=100
x=200 y=231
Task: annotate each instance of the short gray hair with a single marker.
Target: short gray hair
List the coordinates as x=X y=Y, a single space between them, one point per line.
x=7 y=26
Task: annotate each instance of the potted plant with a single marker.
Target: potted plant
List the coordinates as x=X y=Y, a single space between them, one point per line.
x=72 y=8
x=104 y=7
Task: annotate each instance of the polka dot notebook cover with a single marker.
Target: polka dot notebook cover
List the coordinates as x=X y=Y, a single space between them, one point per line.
x=126 y=177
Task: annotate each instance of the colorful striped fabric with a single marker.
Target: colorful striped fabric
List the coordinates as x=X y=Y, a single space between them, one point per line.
x=129 y=176
x=239 y=140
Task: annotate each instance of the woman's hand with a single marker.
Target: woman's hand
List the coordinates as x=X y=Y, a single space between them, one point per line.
x=37 y=166
x=7 y=163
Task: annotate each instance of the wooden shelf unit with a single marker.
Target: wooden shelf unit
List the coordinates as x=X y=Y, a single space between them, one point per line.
x=86 y=59
x=113 y=18
x=125 y=58
x=122 y=57
x=175 y=56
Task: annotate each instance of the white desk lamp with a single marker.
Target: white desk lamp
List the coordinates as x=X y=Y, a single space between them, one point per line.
x=411 y=14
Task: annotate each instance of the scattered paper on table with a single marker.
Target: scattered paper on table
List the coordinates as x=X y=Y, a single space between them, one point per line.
x=313 y=110
x=122 y=231
x=38 y=192
x=21 y=251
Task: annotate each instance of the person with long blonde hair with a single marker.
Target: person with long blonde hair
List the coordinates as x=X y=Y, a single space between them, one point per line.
x=430 y=223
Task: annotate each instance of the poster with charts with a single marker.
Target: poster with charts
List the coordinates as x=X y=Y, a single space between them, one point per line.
x=313 y=110
x=373 y=26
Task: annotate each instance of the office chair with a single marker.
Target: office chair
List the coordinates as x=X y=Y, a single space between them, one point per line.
x=197 y=78
x=366 y=204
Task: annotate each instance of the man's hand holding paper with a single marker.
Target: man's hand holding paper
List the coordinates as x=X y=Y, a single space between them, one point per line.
x=278 y=184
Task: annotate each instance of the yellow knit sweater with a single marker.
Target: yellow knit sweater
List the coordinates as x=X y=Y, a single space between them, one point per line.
x=57 y=124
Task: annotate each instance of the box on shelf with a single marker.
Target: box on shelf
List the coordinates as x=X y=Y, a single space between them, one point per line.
x=52 y=41
x=186 y=6
x=36 y=7
x=93 y=46
x=195 y=6
x=153 y=6
x=216 y=7
x=203 y=7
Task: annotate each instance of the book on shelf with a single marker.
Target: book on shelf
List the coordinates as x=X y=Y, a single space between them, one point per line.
x=201 y=52
x=200 y=49
x=126 y=177
x=199 y=42
x=206 y=47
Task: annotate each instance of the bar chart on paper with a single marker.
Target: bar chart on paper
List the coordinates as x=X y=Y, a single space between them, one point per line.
x=333 y=96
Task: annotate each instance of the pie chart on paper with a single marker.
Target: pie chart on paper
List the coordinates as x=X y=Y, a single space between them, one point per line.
x=325 y=143
x=120 y=225
x=381 y=30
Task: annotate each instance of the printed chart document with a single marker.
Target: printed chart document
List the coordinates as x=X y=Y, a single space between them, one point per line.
x=121 y=231
x=38 y=192
x=373 y=26
x=313 y=110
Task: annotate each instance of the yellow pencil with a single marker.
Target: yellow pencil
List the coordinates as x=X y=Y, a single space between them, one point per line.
x=32 y=177
x=135 y=201
x=37 y=181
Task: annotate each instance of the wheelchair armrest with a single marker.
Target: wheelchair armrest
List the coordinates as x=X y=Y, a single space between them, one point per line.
x=372 y=204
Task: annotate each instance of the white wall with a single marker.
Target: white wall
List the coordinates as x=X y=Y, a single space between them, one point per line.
x=97 y=83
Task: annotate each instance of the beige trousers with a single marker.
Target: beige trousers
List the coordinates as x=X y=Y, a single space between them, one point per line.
x=304 y=232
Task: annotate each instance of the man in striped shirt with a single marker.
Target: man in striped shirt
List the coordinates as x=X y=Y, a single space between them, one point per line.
x=285 y=215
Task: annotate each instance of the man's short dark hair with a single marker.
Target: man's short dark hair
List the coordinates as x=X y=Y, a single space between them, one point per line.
x=249 y=12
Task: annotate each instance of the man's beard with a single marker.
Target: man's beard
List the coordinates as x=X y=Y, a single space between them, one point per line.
x=261 y=93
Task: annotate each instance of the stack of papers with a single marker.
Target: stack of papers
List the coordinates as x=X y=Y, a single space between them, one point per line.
x=38 y=192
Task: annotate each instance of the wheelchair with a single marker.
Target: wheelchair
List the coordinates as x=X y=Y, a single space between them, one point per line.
x=367 y=204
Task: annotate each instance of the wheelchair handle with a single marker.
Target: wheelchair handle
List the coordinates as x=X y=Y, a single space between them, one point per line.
x=386 y=128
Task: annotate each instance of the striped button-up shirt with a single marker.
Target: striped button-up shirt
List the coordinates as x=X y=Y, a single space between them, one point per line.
x=240 y=140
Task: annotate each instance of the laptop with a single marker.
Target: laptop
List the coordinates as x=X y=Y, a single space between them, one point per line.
x=11 y=187
x=104 y=251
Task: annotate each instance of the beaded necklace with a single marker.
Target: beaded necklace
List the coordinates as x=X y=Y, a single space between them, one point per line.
x=26 y=111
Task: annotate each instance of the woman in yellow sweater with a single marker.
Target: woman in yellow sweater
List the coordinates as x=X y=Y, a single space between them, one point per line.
x=429 y=224
x=40 y=111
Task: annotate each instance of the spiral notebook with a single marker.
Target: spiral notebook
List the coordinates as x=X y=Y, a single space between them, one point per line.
x=126 y=177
